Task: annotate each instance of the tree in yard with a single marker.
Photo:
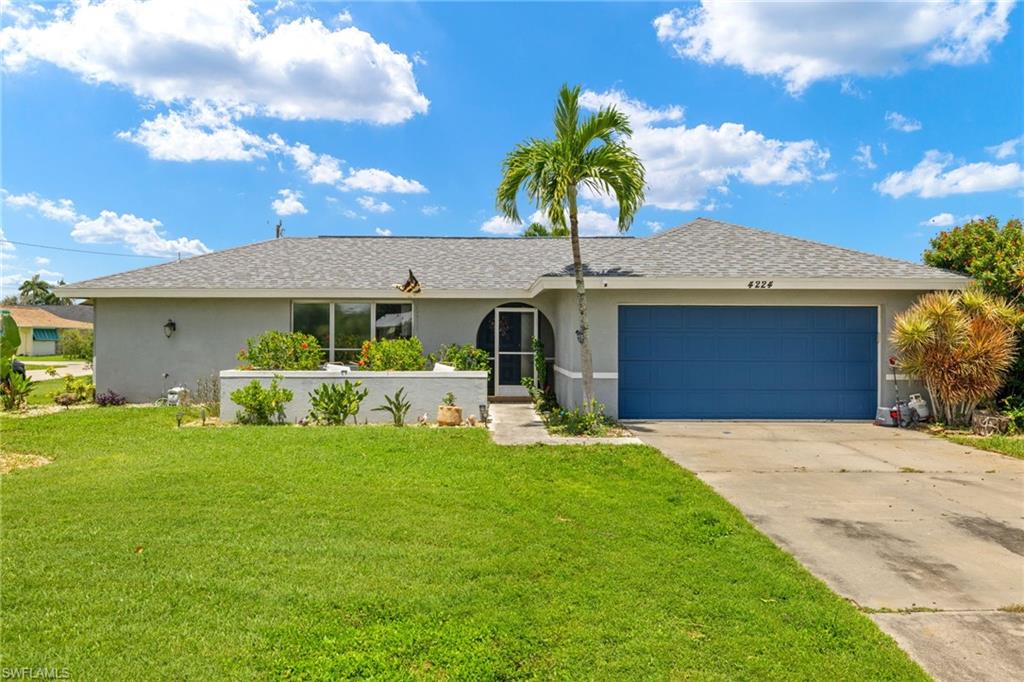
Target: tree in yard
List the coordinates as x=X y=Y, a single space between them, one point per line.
x=36 y=291
x=994 y=257
x=539 y=230
x=961 y=344
x=584 y=154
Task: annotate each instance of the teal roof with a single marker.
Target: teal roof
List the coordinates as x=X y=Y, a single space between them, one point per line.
x=44 y=334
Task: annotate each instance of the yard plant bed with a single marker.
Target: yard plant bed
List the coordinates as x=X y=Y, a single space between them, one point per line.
x=147 y=551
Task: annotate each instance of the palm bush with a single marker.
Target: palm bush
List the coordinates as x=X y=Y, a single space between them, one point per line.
x=961 y=344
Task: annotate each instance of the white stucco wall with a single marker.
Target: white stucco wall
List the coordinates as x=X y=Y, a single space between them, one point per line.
x=424 y=390
x=132 y=352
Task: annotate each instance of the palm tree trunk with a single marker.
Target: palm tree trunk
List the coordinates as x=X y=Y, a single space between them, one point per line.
x=586 y=359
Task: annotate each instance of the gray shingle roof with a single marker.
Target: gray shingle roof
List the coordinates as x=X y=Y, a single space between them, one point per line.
x=699 y=249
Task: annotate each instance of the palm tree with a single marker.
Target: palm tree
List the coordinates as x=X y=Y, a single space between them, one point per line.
x=35 y=291
x=587 y=154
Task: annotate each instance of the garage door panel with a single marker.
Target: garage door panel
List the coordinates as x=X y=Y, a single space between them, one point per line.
x=745 y=362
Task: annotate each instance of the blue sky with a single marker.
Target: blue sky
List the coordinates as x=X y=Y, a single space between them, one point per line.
x=153 y=128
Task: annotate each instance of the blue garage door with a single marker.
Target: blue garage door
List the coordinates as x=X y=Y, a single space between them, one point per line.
x=740 y=362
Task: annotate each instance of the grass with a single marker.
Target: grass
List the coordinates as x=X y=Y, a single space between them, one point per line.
x=1007 y=445
x=44 y=391
x=149 y=551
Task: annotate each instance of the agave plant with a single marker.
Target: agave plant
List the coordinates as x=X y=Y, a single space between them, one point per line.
x=961 y=344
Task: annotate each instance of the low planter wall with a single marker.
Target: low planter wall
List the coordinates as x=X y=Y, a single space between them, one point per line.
x=423 y=389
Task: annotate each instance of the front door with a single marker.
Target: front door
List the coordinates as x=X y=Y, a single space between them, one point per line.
x=514 y=329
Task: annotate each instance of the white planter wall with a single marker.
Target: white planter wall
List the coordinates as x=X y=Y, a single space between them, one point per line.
x=424 y=390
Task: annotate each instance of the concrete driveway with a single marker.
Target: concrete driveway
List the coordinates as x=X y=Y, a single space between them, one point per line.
x=893 y=520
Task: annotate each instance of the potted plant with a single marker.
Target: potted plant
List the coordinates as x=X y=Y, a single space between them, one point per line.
x=448 y=414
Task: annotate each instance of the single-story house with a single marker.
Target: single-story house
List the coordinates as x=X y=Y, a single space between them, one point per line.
x=40 y=325
x=707 y=320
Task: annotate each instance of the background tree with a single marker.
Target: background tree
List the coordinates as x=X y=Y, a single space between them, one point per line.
x=994 y=257
x=539 y=230
x=36 y=291
x=586 y=154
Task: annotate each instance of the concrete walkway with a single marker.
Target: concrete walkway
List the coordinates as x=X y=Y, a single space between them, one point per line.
x=893 y=520
x=75 y=369
x=518 y=424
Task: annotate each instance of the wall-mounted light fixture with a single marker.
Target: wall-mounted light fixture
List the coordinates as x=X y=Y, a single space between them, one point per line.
x=169 y=328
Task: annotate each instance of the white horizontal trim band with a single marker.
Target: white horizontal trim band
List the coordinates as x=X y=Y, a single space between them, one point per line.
x=542 y=284
x=579 y=375
x=325 y=374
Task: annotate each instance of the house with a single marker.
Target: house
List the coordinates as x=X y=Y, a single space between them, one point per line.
x=707 y=320
x=40 y=325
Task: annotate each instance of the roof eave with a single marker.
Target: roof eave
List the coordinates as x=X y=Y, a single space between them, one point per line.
x=540 y=285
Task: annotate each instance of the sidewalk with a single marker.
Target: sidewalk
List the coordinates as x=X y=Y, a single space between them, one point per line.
x=75 y=369
x=518 y=424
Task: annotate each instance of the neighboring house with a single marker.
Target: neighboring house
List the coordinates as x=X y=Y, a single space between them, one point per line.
x=40 y=325
x=708 y=320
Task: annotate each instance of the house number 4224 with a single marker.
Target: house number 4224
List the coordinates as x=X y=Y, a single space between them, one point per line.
x=760 y=284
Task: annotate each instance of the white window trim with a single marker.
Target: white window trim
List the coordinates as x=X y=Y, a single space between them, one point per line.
x=330 y=319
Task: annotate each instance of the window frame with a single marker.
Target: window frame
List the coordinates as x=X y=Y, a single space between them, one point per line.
x=331 y=302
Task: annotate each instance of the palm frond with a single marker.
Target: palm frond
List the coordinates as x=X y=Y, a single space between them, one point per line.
x=567 y=112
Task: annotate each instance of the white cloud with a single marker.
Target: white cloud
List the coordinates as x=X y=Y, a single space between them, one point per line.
x=377 y=181
x=40 y=261
x=140 y=235
x=499 y=224
x=640 y=115
x=940 y=220
x=654 y=225
x=898 y=121
x=343 y=18
x=374 y=206
x=382 y=231
x=685 y=163
x=802 y=42
x=432 y=210
x=352 y=215
x=289 y=204
x=7 y=249
x=220 y=52
x=863 y=157
x=62 y=210
x=203 y=132
x=592 y=223
x=933 y=177
x=21 y=13
x=1005 y=150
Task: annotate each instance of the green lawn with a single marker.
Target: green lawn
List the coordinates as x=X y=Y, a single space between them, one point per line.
x=43 y=392
x=1007 y=445
x=146 y=551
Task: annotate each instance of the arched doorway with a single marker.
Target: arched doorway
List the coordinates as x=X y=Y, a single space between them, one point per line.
x=506 y=333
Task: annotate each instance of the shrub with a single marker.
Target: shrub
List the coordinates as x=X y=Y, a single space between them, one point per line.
x=261 y=405
x=281 y=351
x=589 y=421
x=392 y=354
x=77 y=343
x=110 y=398
x=466 y=358
x=397 y=407
x=961 y=344
x=14 y=391
x=448 y=399
x=80 y=389
x=334 y=403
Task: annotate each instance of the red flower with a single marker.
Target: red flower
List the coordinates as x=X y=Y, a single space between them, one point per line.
x=304 y=346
